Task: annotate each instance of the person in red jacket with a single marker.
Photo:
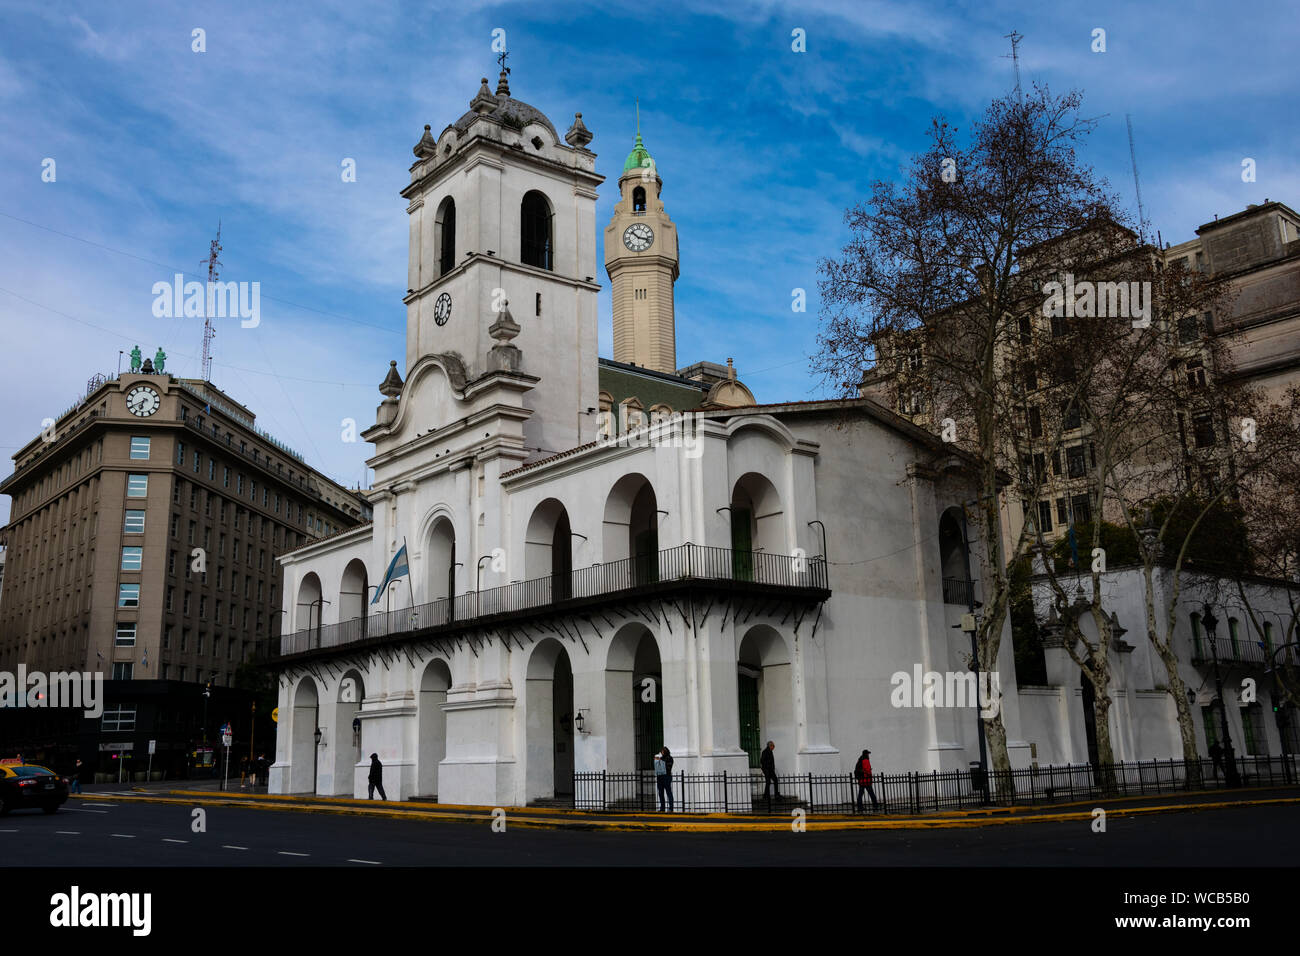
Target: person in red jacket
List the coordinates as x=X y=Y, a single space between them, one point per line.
x=862 y=772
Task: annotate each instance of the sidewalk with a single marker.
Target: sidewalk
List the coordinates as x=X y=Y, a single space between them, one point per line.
x=207 y=793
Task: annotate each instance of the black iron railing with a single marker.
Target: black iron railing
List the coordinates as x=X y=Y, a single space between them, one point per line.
x=958 y=591
x=1240 y=651
x=685 y=563
x=914 y=793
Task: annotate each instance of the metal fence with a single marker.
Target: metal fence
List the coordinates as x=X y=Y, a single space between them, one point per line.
x=919 y=792
x=683 y=563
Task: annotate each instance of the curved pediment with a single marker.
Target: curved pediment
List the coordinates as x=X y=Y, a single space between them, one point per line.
x=433 y=396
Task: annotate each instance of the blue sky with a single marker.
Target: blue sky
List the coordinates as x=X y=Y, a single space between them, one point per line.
x=761 y=150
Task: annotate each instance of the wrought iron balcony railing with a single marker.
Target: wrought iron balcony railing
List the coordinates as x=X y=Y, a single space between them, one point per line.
x=1230 y=651
x=957 y=591
x=685 y=564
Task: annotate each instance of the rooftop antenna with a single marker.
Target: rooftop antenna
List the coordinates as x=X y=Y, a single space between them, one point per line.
x=208 y=331
x=1137 y=185
x=1015 y=39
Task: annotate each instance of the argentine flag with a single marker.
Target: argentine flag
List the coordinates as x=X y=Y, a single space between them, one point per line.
x=396 y=569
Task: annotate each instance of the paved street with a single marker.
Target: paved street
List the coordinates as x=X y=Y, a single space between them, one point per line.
x=91 y=833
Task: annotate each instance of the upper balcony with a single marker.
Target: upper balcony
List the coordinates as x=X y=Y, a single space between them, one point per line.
x=682 y=571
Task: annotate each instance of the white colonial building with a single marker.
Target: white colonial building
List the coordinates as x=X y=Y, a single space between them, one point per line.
x=579 y=594
x=1242 y=654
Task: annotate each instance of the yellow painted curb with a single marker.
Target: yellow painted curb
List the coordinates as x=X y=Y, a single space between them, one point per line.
x=529 y=819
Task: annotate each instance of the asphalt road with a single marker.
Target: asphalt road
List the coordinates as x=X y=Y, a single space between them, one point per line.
x=87 y=833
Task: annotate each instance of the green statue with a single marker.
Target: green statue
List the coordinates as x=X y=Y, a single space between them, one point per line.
x=135 y=359
x=159 y=359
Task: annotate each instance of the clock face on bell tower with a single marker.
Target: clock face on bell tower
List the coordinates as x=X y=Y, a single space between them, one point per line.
x=641 y=260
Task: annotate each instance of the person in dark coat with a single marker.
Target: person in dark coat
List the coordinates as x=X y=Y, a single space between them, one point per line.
x=76 y=777
x=768 y=763
x=1216 y=754
x=263 y=769
x=664 y=778
x=376 y=778
x=862 y=773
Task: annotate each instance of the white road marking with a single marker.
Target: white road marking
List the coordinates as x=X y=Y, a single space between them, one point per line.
x=170 y=840
x=79 y=810
x=125 y=836
x=8 y=831
x=227 y=846
x=371 y=862
x=288 y=853
x=69 y=832
x=97 y=805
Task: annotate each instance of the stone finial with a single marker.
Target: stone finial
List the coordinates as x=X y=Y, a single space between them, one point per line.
x=578 y=135
x=505 y=327
x=427 y=146
x=391 y=386
x=505 y=356
x=484 y=101
x=731 y=370
x=503 y=84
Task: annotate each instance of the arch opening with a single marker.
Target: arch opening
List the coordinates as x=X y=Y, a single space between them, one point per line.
x=536 y=241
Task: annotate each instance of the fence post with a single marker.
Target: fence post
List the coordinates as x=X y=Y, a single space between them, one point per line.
x=725 y=808
x=812 y=804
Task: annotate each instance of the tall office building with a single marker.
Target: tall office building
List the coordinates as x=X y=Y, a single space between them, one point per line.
x=143 y=532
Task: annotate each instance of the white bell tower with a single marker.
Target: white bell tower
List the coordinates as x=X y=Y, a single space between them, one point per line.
x=502 y=211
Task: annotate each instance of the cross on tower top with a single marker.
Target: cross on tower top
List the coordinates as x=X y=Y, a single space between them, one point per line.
x=502 y=60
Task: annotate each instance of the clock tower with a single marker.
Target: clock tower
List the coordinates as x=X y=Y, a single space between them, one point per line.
x=641 y=259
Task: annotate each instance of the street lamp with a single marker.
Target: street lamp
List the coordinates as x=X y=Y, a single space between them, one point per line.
x=321 y=601
x=1280 y=703
x=1209 y=622
x=315 y=761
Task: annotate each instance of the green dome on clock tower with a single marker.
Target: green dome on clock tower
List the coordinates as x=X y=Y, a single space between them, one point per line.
x=639 y=157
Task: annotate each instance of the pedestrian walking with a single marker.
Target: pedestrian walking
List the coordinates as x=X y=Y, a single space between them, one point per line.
x=376 y=778
x=263 y=770
x=76 y=776
x=768 y=763
x=664 y=779
x=862 y=771
x=1216 y=754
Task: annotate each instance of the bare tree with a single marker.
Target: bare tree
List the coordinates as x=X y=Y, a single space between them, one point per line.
x=931 y=284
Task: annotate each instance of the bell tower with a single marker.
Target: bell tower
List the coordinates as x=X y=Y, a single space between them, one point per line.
x=502 y=264
x=641 y=260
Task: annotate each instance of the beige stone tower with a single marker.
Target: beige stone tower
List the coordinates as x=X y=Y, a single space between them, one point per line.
x=641 y=259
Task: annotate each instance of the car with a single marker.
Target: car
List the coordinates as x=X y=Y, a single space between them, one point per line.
x=31 y=785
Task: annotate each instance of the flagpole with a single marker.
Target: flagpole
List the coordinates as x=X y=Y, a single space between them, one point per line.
x=409 y=586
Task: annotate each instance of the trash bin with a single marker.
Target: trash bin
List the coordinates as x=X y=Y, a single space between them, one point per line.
x=976 y=777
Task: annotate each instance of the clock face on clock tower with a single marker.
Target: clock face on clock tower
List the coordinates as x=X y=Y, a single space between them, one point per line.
x=638 y=237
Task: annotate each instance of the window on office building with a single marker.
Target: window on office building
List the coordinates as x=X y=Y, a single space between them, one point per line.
x=133 y=523
x=125 y=636
x=140 y=446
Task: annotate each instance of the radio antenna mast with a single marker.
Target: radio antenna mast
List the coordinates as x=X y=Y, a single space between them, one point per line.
x=1137 y=185
x=208 y=332
x=1015 y=39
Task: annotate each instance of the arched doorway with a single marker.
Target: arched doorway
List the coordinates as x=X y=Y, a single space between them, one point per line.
x=341 y=743
x=630 y=544
x=302 y=740
x=308 y=607
x=548 y=549
x=953 y=564
x=1089 y=720
x=765 y=684
x=440 y=573
x=757 y=524
x=634 y=700
x=431 y=742
x=353 y=591
x=549 y=720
